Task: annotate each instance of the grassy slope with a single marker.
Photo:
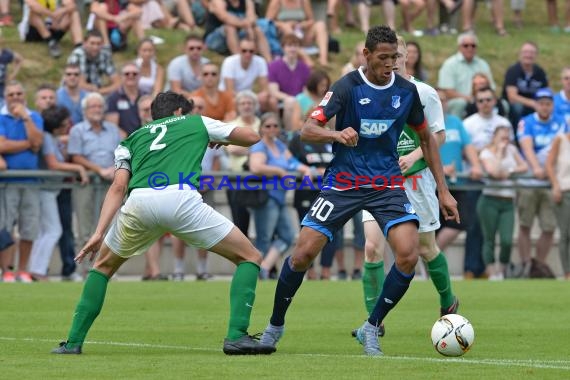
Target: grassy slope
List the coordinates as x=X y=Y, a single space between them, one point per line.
x=521 y=331
x=500 y=52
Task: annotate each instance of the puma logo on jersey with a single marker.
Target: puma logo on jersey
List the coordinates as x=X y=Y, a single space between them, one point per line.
x=374 y=128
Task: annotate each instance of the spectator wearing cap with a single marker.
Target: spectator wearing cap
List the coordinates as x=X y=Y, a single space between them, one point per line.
x=536 y=132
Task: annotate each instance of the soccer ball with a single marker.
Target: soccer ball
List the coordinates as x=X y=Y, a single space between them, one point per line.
x=452 y=335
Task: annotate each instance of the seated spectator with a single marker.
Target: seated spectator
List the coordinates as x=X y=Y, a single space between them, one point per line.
x=482 y=125
x=270 y=157
x=185 y=71
x=317 y=86
x=288 y=76
x=497 y=15
x=151 y=77
x=69 y=94
x=496 y=207
x=56 y=122
x=218 y=104
x=244 y=71
x=457 y=71
x=414 y=64
x=44 y=20
x=95 y=61
x=45 y=97
x=189 y=12
x=228 y=22
x=411 y=10
x=122 y=109
x=481 y=80
x=296 y=17
x=8 y=56
x=20 y=141
x=5 y=16
x=562 y=98
x=114 y=19
x=551 y=9
x=558 y=171
x=156 y=16
x=522 y=79
x=356 y=61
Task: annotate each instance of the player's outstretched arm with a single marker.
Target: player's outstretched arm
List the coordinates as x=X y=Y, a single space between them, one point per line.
x=111 y=204
x=243 y=137
x=430 y=149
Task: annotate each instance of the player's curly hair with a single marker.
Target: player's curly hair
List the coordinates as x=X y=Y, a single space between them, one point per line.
x=380 y=34
x=54 y=116
x=167 y=102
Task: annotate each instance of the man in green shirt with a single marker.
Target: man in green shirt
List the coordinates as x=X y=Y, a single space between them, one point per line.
x=159 y=166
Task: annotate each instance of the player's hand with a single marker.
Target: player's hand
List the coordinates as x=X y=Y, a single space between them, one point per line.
x=90 y=249
x=217 y=144
x=448 y=206
x=476 y=173
x=347 y=136
x=406 y=162
x=539 y=173
x=556 y=194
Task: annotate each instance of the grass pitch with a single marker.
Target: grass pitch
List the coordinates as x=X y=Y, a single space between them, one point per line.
x=168 y=330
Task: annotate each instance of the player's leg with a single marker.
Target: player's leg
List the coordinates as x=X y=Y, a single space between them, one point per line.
x=327 y=214
x=426 y=205
x=91 y=300
x=131 y=234
x=400 y=225
x=373 y=276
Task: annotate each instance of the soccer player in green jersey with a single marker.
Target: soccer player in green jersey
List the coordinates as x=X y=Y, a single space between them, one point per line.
x=422 y=194
x=158 y=166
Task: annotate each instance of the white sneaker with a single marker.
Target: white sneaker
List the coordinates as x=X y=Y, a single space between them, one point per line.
x=156 y=40
x=74 y=277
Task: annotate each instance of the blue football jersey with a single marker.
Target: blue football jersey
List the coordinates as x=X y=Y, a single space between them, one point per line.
x=541 y=132
x=378 y=114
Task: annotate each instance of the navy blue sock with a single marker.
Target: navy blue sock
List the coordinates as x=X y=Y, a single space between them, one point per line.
x=395 y=286
x=287 y=285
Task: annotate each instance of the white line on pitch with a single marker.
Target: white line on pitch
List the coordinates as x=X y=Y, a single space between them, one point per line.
x=545 y=364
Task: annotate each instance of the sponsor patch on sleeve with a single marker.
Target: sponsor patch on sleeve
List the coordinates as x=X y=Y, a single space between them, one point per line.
x=326 y=99
x=319 y=115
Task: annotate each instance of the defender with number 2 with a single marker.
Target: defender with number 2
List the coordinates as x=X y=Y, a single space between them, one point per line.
x=175 y=142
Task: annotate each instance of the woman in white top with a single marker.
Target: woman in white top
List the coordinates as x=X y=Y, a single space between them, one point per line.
x=558 y=171
x=151 y=80
x=495 y=208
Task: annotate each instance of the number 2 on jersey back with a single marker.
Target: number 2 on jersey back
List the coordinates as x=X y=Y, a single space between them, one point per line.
x=156 y=144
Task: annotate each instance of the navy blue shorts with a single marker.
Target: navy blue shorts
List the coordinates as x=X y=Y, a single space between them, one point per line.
x=331 y=209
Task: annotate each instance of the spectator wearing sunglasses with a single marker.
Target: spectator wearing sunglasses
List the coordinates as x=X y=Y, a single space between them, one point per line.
x=456 y=72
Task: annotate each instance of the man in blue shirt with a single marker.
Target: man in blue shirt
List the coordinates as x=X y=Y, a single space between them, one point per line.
x=20 y=140
x=535 y=134
x=371 y=106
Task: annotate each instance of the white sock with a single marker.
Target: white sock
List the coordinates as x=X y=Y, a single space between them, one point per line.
x=179 y=265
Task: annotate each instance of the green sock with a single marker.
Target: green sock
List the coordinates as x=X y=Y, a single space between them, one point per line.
x=242 y=295
x=372 y=282
x=439 y=274
x=88 y=308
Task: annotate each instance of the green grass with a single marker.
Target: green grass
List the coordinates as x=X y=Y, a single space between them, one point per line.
x=175 y=330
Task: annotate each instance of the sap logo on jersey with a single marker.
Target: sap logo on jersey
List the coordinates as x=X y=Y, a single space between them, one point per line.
x=371 y=129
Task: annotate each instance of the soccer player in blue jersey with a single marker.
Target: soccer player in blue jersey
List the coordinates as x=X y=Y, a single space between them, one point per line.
x=371 y=105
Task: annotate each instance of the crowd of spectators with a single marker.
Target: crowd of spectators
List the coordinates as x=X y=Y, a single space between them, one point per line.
x=75 y=125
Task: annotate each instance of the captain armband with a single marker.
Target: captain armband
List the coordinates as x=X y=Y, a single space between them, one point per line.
x=122 y=164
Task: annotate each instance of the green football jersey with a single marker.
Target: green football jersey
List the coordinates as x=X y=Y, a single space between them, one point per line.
x=407 y=143
x=169 y=151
